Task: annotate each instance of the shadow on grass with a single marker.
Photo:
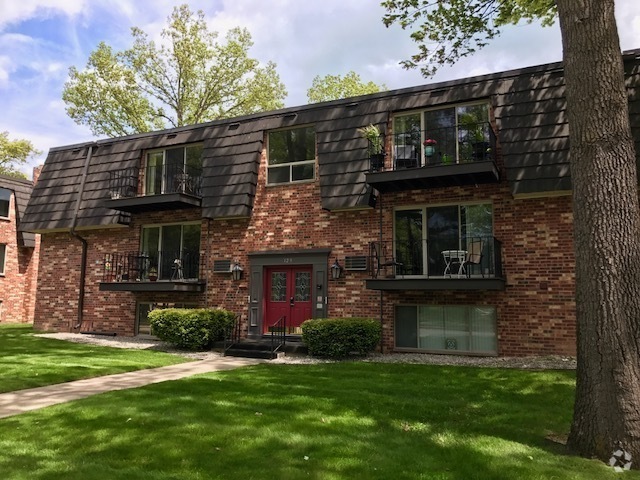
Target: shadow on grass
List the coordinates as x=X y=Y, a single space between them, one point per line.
x=331 y=421
x=27 y=361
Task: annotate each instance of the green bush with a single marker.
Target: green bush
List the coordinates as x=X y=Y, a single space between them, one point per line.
x=191 y=329
x=340 y=337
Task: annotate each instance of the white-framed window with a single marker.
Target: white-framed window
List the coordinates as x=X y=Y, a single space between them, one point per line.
x=175 y=169
x=172 y=251
x=451 y=329
x=3 y=255
x=291 y=155
x=443 y=135
x=5 y=202
x=423 y=233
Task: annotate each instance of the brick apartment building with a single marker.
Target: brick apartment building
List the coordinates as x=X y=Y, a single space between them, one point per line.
x=458 y=237
x=18 y=252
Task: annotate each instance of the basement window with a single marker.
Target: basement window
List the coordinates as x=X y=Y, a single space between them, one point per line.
x=450 y=329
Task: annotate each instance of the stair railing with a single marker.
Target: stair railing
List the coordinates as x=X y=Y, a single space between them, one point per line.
x=232 y=335
x=278 y=334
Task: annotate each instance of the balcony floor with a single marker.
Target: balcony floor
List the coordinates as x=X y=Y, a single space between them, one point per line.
x=473 y=173
x=151 y=203
x=185 y=286
x=436 y=283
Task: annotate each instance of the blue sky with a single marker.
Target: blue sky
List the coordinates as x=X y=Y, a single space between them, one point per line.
x=41 y=39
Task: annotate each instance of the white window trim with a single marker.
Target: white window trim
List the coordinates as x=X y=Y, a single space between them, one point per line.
x=445 y=351
x=164 y=162
x=291 y=164
x=3 y=257
x=423 y=209
x=421 y=111
x=11 y=203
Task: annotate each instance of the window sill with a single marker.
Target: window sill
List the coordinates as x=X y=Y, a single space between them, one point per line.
x=289 y=184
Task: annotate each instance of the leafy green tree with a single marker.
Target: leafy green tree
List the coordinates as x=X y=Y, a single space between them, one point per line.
x=605 y=195
x=190 y=78
x=14 y=153
x=334 y=87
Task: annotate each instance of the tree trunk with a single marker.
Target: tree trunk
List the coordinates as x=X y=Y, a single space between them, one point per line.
x=607 y=234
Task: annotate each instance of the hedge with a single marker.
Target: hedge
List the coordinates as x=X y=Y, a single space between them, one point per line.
x=191 y=329
x=340 y=337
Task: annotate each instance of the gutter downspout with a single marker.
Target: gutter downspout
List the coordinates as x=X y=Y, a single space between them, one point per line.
x=85 y=245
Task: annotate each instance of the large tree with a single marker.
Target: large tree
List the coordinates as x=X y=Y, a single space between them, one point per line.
x=189 y=78
x=14 y=153
x=334 y=87
x=605 y=194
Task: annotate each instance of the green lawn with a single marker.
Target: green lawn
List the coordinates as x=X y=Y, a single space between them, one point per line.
x=350 y=420
x=28 y=361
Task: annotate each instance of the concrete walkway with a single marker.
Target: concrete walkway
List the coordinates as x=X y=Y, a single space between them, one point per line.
x=14 y=403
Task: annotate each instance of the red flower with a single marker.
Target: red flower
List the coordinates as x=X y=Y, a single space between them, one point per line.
x=429 y=141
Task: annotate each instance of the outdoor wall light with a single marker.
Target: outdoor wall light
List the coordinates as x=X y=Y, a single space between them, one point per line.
x=336 y=269
x=236 y=272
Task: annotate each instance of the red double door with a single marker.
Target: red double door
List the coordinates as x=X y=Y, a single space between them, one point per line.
x=288 y=293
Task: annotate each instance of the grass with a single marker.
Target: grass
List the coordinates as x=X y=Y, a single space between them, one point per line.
x=28 y=361
x=350 y=420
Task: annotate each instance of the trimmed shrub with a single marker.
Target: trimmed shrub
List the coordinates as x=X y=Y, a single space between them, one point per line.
x=340 y=337
x=191 y=328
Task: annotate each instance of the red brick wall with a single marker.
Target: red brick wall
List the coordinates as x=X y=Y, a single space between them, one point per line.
x=535 y=313
x=17 y=285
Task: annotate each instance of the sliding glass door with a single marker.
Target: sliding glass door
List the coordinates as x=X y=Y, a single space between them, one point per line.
x=173 y=249
x=421 y=235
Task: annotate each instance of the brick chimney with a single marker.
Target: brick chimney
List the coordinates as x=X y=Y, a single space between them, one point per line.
x=36 y=173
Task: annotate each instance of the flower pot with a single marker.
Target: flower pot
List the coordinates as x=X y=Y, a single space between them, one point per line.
x=376 y=162
x=429 y=150
x=153 y=278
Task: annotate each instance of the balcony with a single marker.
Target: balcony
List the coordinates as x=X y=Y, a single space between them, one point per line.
x=165 y=186
x=447 y=263
x=444 y=157
x=157 y=272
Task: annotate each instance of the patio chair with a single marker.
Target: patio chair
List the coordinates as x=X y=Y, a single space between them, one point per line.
x=381 y=260
x=474 y=255
x=405 y=156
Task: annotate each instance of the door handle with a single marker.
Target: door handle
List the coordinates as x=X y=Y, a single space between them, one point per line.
x=291 y=301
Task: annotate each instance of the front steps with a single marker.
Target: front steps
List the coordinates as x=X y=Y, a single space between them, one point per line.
x=261 y=348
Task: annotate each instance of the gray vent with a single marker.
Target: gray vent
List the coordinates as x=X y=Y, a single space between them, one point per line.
x=222 y=266
x=356 y=263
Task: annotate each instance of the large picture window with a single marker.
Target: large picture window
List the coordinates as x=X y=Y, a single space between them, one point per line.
x=5 y=200
x=446 y=329
x=174 y=170
x=173 y=250
x=291 y=155
x=422 y=234
x=456 y=134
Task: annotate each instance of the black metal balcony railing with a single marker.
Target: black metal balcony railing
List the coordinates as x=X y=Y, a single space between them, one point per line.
x=475 y=142
x=158 y=179
x=440 y=257
x=143 y=267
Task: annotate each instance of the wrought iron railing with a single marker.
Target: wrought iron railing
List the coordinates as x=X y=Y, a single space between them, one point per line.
x=463 y=143
x=232 y=334
x=278 y=334
x=157 y=179
x=150 y=267
x=438 y=257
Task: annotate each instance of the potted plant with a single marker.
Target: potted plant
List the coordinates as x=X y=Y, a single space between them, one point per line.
x=429 y=147
x=153 y=274
x=376 y=146
x=476 y=127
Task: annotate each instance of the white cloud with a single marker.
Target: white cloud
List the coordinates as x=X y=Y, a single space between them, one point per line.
x=305 y=39
x=12 y=12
